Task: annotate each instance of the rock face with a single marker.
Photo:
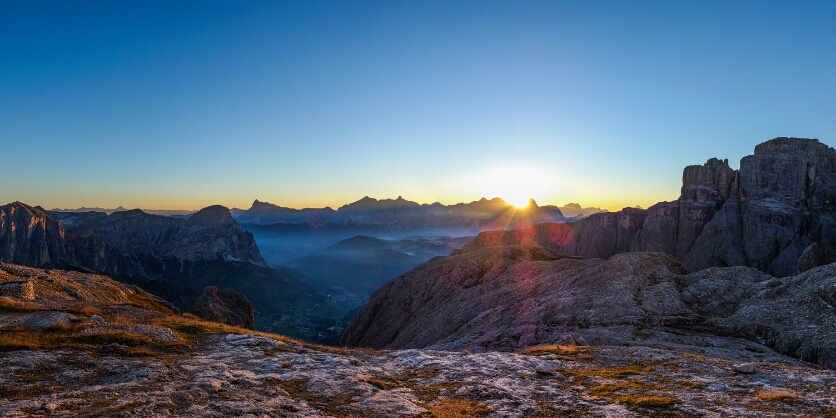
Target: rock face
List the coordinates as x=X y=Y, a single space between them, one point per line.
x=513 y=296
x=29 y=236
x=781 y=202
x=673 y=227
x=763 y=215
x=225 y=306
x=209 y=234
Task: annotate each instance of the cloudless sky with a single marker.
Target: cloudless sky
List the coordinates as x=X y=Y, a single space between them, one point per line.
x=176 y=104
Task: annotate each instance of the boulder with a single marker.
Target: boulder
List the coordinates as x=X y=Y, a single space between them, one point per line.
x=225 y=306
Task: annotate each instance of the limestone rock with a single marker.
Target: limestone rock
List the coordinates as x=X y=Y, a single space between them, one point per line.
x=513 y=296
x=225 y=306
x=29 y=236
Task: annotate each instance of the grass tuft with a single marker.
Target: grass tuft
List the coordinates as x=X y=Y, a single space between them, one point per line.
x=778 y=395
x=457 y=408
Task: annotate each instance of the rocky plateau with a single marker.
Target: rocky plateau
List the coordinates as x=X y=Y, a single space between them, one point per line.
x=76 y=344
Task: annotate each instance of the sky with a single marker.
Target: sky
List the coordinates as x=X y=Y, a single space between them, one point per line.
x=180 y=105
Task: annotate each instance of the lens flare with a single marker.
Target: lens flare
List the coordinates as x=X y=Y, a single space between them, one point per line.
x=515 y=185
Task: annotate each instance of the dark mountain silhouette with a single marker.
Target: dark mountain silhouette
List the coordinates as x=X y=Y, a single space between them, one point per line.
x=404 y=215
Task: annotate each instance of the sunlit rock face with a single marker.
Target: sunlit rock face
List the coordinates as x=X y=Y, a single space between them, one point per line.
x=29 y=236
x=513 y=296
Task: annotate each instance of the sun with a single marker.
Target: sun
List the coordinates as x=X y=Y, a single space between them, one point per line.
x=516 y=186
x=519 y=204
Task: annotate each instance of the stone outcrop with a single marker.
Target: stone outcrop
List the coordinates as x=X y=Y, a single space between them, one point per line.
x=59 y=289
x=513 y=296
x=225 y=306
x=813 y=256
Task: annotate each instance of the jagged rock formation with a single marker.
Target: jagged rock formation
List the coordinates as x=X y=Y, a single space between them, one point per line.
x=89 y=346
x=673 y=227
x=513 y=296
x=29 y=236
x=402 y=214
x=763 y=215
x=225 y=306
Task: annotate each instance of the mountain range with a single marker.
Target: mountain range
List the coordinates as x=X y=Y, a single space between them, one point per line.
x=404 y=215
x=171 y=257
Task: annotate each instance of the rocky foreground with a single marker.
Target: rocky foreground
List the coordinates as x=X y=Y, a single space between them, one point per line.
x=74 y=344
x=254 y=375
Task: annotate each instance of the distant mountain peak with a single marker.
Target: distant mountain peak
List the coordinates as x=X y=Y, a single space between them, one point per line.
x=210 y=215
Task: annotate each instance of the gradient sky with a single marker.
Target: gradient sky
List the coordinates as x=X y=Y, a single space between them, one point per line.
x=185 y=104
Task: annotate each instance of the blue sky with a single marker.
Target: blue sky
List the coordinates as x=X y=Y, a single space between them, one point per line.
x=186 y=104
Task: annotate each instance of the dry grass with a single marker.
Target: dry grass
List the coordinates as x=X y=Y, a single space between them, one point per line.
x=11 y=304
x=417 y=380
x=457 y=408
x=651 y=401
x=190 y=328
x=147 y=301
x=778 y=395
x=564 y=352
x=87 y=311
x=376 y=383
x=633 y=394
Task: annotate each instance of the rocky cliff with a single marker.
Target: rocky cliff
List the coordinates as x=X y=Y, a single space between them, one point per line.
x=209 y=234
x=764 y=215
x=780 y=203
x=29 y=236
x=513 y=296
